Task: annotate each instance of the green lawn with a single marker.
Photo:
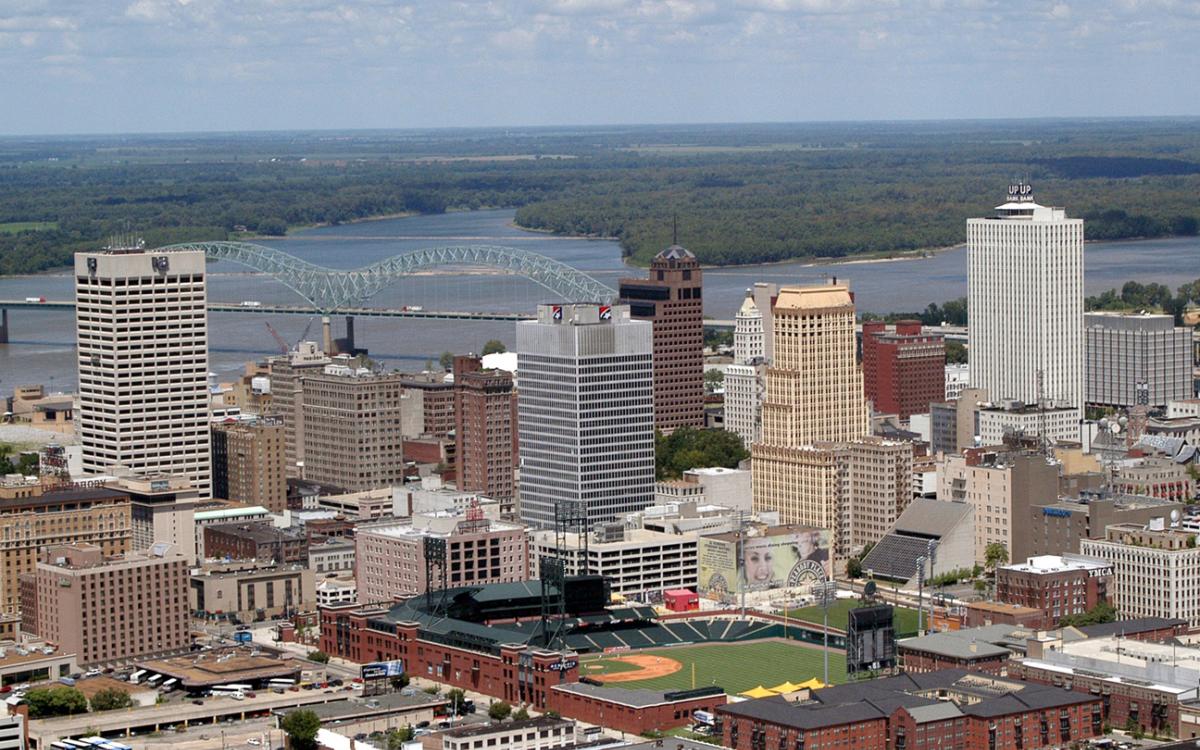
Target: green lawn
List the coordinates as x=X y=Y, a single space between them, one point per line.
x=735 y=667
x=905 y=622
x=13 y=227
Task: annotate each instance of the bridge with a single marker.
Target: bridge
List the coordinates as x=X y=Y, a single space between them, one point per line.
x=328 y=290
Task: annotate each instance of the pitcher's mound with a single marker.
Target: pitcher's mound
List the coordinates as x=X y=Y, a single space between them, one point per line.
x=649 y=668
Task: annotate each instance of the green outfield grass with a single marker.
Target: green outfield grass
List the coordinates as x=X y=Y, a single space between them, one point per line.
x=735 y=667
x=905 y=618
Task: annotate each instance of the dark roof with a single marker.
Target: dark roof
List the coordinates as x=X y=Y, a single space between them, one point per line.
x=677 y=252
x=969 y=643
x=348 y=709
x=259 y=533
x=931 y=518
x=625 y=696
x=54 y=497
x=778 y=710
x=478 y=729
x=1127 y=627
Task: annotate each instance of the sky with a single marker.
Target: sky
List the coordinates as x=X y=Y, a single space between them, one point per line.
x=104 y=66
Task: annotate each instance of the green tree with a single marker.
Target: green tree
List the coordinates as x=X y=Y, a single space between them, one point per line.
x=499 y=711
x=455 y=697
x=995 y=554
x=1101 y=613
x=318 y=656
x=980 y=586
x=446 y=360
x=494 y=346
x=301 y=727
x=956 y=353
x=688 y=448
x=12 y=462
x=55 y=701
x=110 y=699
x=713 y=379
x=400 y=681
x=398 y=736
x=520 y=714
x=854 y=568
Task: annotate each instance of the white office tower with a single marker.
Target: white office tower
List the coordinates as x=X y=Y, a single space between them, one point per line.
x=1026 y=302
x=142 y=332
x=585 y=412
x=744 y=378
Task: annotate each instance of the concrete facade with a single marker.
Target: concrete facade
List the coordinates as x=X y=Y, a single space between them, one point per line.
x=1136 y=359
x=250 y=463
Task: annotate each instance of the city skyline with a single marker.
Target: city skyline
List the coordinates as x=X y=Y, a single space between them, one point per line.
x=134 y=66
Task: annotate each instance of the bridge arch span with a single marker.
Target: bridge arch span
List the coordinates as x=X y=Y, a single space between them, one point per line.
x=329 y=289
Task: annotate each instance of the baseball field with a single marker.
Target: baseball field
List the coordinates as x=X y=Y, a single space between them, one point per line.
x=733 y=666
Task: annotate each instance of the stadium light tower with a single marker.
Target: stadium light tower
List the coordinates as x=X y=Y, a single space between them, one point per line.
x=827 y=591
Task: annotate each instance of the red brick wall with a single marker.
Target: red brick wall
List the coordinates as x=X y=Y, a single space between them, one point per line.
x=594 y=710
x=866 y=735
x=919 y=661
x=1117 y=705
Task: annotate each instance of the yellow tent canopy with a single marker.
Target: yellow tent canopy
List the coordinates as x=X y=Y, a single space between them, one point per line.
x=759 y=692
x=787 y=687
x=812 y=684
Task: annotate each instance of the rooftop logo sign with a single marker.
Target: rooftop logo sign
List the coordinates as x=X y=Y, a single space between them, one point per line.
x=1020 y=192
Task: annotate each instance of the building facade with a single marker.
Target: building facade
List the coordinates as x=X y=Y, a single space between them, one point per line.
x=351 y=427
x=1136 y=359
x=255 y=541
x=1056 y=586
x=391 y=558
x=142 y=346
x=485 y=416
x=585 y=412
x=1056 y=425
x=638 y=563
x=33 y=517
x=880 y=480
x=250 y=592
x=1155 y=569
x=250 y=463
x=958 y=377
x=670 y=298
x=745 y=378
x=287 y=400
x=1025 y=298
x=904 y=368
x=108 y=608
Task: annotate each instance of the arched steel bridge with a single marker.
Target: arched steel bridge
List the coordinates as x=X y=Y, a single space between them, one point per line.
x=329 y=289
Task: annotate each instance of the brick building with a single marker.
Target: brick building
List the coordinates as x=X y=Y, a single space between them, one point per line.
x=249 y=463
x=107 y=608
x=985 y=649
x=633 y=711
x=904 y=369
x=485 y=430
x=255 y=541
x=670 y=298
x=944 y=710
x=33 y=516
x=428 y=406
x=1057 y=586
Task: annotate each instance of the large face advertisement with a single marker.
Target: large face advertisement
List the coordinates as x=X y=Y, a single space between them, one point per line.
x=762 y=563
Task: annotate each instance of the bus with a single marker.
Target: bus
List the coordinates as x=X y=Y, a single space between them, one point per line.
x=60 y=746
x=231 y=690
x=136 y=676
x=282 y=683
x=169 y=685
x=154 y=680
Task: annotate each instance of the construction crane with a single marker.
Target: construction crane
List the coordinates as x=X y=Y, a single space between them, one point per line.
x=283 y=347
x=307 y=328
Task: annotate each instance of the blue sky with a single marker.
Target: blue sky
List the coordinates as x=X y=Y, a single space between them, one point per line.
x=84 y=66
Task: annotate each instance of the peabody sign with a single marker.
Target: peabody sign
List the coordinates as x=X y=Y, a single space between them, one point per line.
x=1021 y=192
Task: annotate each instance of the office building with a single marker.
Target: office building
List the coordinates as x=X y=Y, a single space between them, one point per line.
x=745 y=378
x=109 y=608
x=814 y=405
x=142 y=335
x=904 y=368
x=333 y=555
x=485 y=414
x=351 y=427
x=287 y=400
x=251 y=592
x=1136 y=359
x=33 y=516
x=1055 y=425
x=236 y=514
x=250 y=463
x=391 y=558
x=428 y=405
x=162 y=509
x=1025 y=279
x=638 y=563
x=1058 y=526
x=1155 y=569
x=958 y=377
x=585 y=412
x=541 y=733
x=333 y=592
x=1057 y=586
x=670 y=299
x=880 y=480
x=1002 y=486
x=13 y=732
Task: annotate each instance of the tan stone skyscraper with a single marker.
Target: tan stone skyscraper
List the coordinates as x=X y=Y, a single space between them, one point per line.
x=814 y=406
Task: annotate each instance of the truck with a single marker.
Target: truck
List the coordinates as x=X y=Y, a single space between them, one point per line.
x=251 y=303
x=38 y=300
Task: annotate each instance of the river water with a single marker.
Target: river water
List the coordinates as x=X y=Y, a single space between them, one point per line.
x=41 y=348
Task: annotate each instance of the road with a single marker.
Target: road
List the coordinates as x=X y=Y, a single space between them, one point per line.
x=230 y=737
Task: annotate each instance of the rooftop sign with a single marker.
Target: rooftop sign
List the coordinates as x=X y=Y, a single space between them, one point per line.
x=1020 y=192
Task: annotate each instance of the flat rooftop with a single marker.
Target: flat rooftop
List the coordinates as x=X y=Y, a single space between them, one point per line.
x=364 y=707
x=220 y=667
x=1056 y=564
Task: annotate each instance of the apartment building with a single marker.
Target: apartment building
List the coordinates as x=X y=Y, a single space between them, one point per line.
x=109 y=608
x=485 y=416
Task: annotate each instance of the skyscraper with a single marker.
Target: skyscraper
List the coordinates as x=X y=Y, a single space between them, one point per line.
x=814 y=406
x=744 y=378
x=585 y=412
x=248 y=463
x=1026 y=302
x=904 y=369
x=142 y=332
x=670 y=299
x=485 y=414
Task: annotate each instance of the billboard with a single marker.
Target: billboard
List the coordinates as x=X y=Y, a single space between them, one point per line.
x=870 y=639
x=381 y=670
x=790 y=557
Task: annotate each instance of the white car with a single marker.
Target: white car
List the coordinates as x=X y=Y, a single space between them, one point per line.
x=254 y=741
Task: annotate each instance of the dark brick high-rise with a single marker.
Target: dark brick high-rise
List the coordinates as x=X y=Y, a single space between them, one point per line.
x=485 y=412
x=670 y=298
x=904 y=370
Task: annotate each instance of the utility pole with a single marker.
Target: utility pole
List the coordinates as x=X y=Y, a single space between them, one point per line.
x=921 y=595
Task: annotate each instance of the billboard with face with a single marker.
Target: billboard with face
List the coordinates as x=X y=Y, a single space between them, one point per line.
x=760 y=563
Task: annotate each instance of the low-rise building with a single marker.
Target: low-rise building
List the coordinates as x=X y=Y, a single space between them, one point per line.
x=237 y=514
x=1156 y=476
x=958 y=377
x=1056 y=424
x=983 y=649
x=541 y=733
x=367 y=505
x=636 y=711
x=1057 y=586
x=639 y=563
x=255 y=541
x=250 y=592
x=335 y=555
x=332 y=592
x=109 y=608
x=1155 y=569
x=391 y=561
